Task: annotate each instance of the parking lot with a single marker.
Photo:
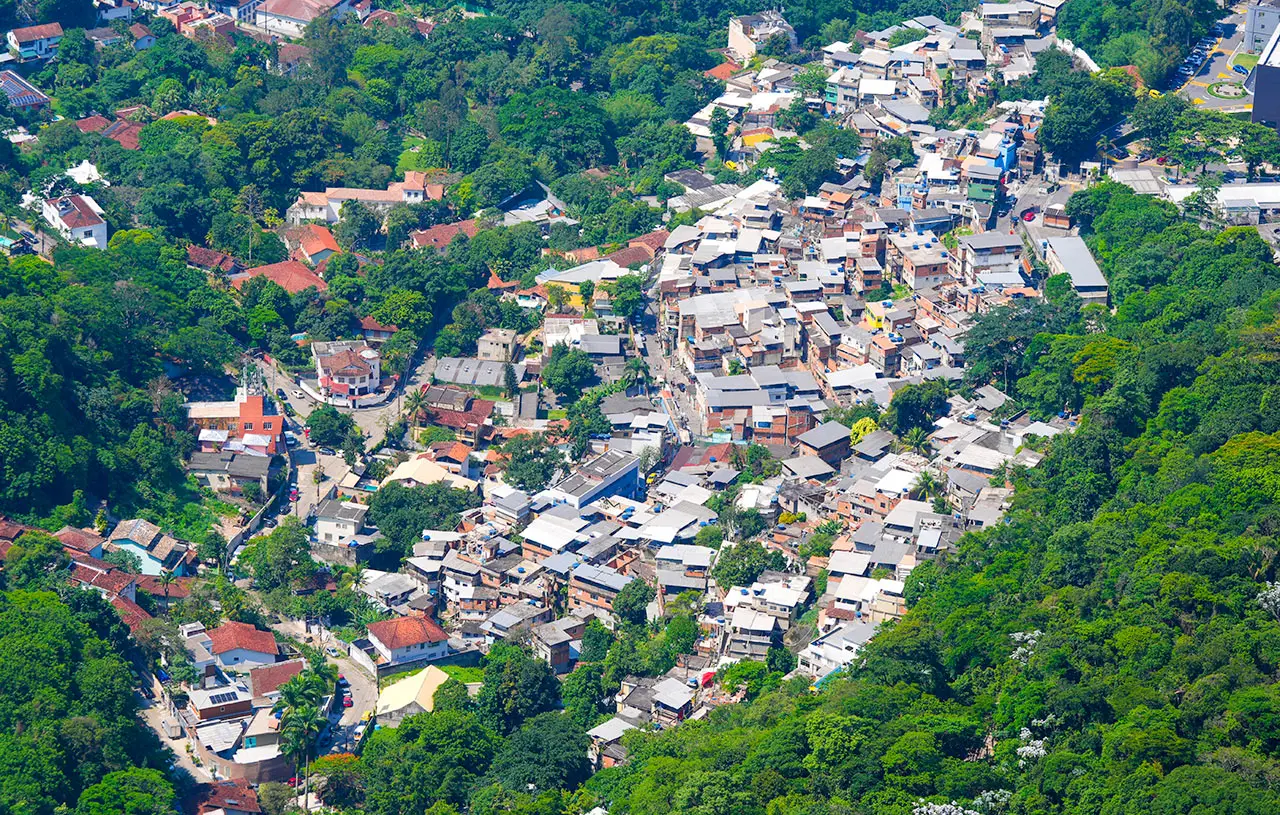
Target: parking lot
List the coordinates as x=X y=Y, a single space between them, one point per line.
x=1213 y=84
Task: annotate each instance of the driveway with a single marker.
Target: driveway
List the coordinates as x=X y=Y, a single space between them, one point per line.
x=153 y=712
x=364 y=690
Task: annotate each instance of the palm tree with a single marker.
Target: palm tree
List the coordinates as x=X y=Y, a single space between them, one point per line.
x=414 y=402
x=354 y=578
x=295 y=694
x=1105 y=146
x=300 y=729
x=324 y=674
x=916 y=439
x=166 y=579
x=926 y=485
x=636 y=371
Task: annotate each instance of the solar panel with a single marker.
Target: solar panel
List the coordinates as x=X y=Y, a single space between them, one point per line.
x=222 y=698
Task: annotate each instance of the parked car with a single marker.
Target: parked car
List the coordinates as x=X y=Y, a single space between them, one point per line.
x=347 y=701
x=1240 y=69
x=298 y=394
x=280 y=392
x=331 y=651
x=328 y=451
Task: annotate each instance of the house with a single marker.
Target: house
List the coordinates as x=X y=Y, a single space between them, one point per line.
x=339 y=521
x=497 y=345
x=157 y=552
x=229 y=798
x=103 y=37
x=198 y=257
x=605 y=749
x=410 y=696
x=218 y=703
x=1071 y=256
x=110 y=10
x=236 y=645
x=347 y=368
x=248 y=422
x=289 y=18
x=440 y=236
x=408 y=639
x=265 y=680
x=317 y=244
x=81 y=540
x=610 y=473
x=142 y=37
x=35 y=42
x=78 y=218
x=594 y=587
x=291 y=275
x=326 y=206
x=748 y=33
x=374 y=331
x=22 y=94
x=828 y=441
x=552 y=642
x=227 y=471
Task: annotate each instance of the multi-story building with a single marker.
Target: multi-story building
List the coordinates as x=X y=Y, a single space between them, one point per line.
x=347 y=368
x=748 y=33
x=36 y=42
x=78 y=218
x=250 y=420
x=594 y=587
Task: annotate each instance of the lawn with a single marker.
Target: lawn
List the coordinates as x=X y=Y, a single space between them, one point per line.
x=1245 y=60
x=412 y=157
x=463 y=674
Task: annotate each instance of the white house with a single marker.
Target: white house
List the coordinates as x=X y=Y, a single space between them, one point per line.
x=240 y=645
x=35 y=42
x=337 y=521
x=408 y=639
x=78 y=218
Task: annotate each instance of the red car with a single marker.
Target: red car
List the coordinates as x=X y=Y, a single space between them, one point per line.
x=1028 y=215
x=1161 y=159
x=293 y=495
x=347 y=701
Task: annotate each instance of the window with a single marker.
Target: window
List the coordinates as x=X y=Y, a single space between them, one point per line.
x=248 y=425
x=266 y=425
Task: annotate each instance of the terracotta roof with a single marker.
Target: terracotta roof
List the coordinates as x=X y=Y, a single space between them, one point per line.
x=206 y=258
x=131 y=613
x=268 y=678
x=370 y=324
x=441 y=235
x=232 y=635
x=406 y=631
x=75 y=212
x=481 y=409
x=112 y=581
x=631 y=255
x=138 y=30
x=301 y=10
x=383 y=16
x=344 y=363
x=124 y=132
x=81 y=540
x=316 y=239
x=10 y=531
x=723 y=71
x=37 y=32
x=234 y=795
x=140 y=531
x=496 y=283
x=178 y=589
x=290 y=275
x=93 y=124
x=291 y=54
x=654 y=240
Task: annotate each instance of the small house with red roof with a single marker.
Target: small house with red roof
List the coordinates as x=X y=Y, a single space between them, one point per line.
x=375 y=331
x=265 y=680
x=347 y=368
x=316 y=243
x=407 y=639
x=78 y=218
x=440 y=236
x=124 y=132
x=84 y=541
x=228 y=798
x=35 y=42
x=211 y=260
x=240 y=645
x=291 y=275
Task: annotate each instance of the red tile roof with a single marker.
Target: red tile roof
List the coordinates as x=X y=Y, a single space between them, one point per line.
x=405 y=631
x=441 y=235
x=268 y=678
x=10 y=531
x=206 y=258
x=37 y=32
x=124 y=132
x=138 y=30
x=290 y=275
x=723 y=71
x=178 y=589
x=112 y=581
x=370 y=324
x=480 y=410
x=631 y=255
x=315 y=239
x=232 y=635
x=131 y=613
x=233 y=795
x=75 y=212
x=654 y=240
x=93 y=124
x=81 y=540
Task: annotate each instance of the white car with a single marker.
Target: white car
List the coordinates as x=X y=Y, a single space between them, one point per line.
x=298 y=394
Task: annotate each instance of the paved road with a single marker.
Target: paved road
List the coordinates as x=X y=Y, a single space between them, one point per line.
x=373 y=421
x=45 y=242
